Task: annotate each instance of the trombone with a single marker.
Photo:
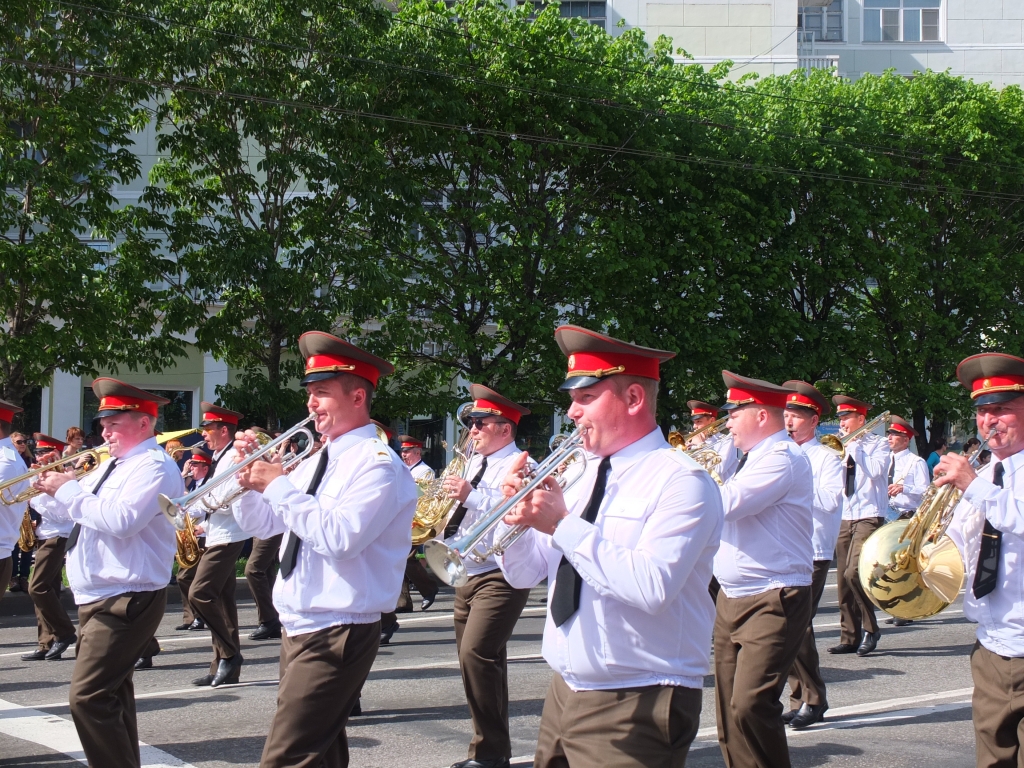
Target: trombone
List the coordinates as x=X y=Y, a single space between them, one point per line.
x=447 y=560
x=176 y=510
x=8 y=499
x=838 y=444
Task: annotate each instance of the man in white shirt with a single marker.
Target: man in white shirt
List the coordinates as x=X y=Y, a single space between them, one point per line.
x=804 y=407
x=865 y=500
x=119 y=555
x=988 y=529
x=627 y=553
x=908 y=476
x=11 y=465
x=54 y=628
x=346 y=517
x=411 y=451
x=703 y=415
x=764 y=566
x=195 y=473
x=487 y=607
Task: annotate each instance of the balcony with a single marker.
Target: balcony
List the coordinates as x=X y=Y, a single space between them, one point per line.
x=809 y=63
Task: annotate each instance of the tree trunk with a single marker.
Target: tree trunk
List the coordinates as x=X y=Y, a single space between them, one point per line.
x=274 y=379
x=937 y=430
x=921 y=440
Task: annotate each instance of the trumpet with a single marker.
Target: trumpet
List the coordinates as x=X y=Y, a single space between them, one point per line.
x=176 y=510
x=8 y=499
x=838 y=444
x=447 y=560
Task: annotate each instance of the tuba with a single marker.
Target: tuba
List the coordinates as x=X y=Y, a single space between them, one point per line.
x=910 y=568
x=433 y=508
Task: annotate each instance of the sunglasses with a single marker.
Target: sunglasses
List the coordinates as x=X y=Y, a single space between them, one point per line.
x=478 y=423
x=21 y=442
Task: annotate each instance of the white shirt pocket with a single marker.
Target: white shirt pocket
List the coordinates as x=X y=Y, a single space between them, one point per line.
x=623 y=521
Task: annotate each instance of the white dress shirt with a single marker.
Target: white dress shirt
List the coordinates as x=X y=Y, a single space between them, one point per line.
x=827 y=471
x=422 y=471
x=222 y=525
x=999 y=614
x=11 y=465
x=53 y=524
x=912 y=472
x=724 y=447
x=484 y=498
x=125 y=544
x=766 y=541
x=645 y=616
x=356 y=533
x=871 y=455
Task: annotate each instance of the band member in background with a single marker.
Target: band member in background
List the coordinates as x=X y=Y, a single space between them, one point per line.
x=411 y=452
x=865 y=500
x=804 y=407
x=197 y=470
x=119 y=556
x=55 y=631
x=988 y=528
x=764 y=567
x=627 y=552
x=702 y=415
x=908 y=473
x=11 y=465
x=347 y=520
x=488 y=607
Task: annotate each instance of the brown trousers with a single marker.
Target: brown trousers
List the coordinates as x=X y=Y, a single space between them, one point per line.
x=805 y=683
x=649 y=727
x=486 y=612
x=756 y=641
x=856 y=611
x=213 y=599
x=998 y=705
x=112 y=634
x=260 y=572
x=185 y=578
x=321 y=676
x=52 y=621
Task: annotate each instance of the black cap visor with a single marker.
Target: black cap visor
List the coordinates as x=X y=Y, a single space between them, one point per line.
x=802 y=407
x=309 y=378
x=580 y=382
x=992 y=398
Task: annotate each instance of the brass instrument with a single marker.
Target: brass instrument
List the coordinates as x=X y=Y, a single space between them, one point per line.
x=705 y=455
x=55 y=466
x=838 y=444
x=27 y=534
x=678 y=440
x=910 y=568
x=187 y=554
x=434 y=507
x=447 y=559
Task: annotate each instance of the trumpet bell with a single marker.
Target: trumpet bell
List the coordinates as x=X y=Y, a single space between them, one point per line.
x=446 y=563
x=833 y=443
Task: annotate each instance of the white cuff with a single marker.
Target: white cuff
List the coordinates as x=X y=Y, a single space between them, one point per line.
x=279 y=488
x=570 y=532
x=67 y=492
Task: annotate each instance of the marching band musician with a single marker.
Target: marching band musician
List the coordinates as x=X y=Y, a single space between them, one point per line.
x=11 y=465
x=346 y=516
x=261 y=574
x=865 y=500
x=988 y=529
x=908 y=472
x=411 y=451
x=627 y=552
x=702 y=415
x=55 y=630
x=212 y=594
x=487 y=607
x=197 y=470
x=804 y=407
x=764 y=567
x=119 y=562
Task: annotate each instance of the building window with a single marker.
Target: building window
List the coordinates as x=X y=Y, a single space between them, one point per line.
x=591 y=10
x=908 y=21
x=818 y=24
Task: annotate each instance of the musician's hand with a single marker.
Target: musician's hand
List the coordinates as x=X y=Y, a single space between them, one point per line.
x=513 y=481
x=50 y=482
x=896 y=489
x=46 y=458
x=258 y=475
x=457 y=488
x=954 y=468
x=542 y=509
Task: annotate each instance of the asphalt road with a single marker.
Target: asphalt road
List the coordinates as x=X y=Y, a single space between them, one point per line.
x=907 y=704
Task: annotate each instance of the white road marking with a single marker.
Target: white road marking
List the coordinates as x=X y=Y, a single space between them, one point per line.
x=59 y=735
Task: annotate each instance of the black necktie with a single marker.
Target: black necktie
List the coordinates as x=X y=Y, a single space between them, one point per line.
x=453 y=525
x=991 y=538
x=76 y=529
x=892 y=470
x=291 y=545
x=566 y=599
x=743 y=460
x=851 y=476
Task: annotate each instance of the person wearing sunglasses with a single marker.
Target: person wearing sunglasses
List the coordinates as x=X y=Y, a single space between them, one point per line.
x=411 y=451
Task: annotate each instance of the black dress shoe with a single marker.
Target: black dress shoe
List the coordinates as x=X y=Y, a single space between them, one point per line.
x=145 y=662
x=37 y=655
x=227 y=671
x=204 y=680
x=843 y=648
x=356 y=710
x=902 y=622
x=58 y=648
x=868 y=644
x=183 y=627
x=266 y=632
x=808 y=715
x=790 y=714
x=387 y=634
x=427 y=602
x=496 y=763
x=197 y=626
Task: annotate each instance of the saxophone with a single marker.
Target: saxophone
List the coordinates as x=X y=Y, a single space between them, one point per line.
x=27 y=536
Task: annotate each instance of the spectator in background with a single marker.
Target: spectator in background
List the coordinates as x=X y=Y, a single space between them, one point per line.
x=984 y=458
x=941 y=449
x=24 y=447
x=75 y=440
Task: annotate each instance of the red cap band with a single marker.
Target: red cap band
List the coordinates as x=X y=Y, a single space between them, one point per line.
x=991 y=384
x=894 y=427
x=601 y=364
x=227 y=418
x=412 y=445
x=804 y=401
x=851 y=408
x=6 y=415
x=201 y=458
x=43 y=442
x=114 y=403
x=338 y=364
x=703 y=412
x=746 y=396
x=497 y=409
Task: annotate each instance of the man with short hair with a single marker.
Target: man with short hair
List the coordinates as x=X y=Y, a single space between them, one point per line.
x=195 y=473
x=704 y=415
x=908 y=472
x=11 y=465
x=411 y=451
x=346 y=518
x=627 y=554
x=120 y=551
x=804 y=407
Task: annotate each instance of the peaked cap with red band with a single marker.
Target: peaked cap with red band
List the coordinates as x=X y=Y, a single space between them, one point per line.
x=45 y=441
x=8 y=411
x=328 y=356
x=487 y=402
x=700 y=408
x=117 y=397
x=901 y=427
x=408 y=441
x=215 y=414
x=992 y=377
x=743 y=391
x=388 y=431
x=846 y=404
x=804 y=395
x=593 y=355
x=201 y=452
